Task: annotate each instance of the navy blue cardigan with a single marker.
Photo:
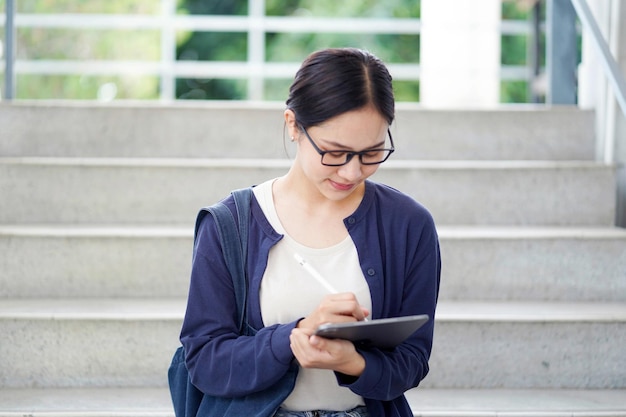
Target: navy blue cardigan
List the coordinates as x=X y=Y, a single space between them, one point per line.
x=399 y=254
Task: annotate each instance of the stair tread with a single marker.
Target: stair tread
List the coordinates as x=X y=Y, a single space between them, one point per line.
x=126 y=401
x=186 y=230
x=122 y=190
x=176 y=162
x=529 y=403
x=94 y=308
x=531 y=311
x=135 y=402
x=173 y=309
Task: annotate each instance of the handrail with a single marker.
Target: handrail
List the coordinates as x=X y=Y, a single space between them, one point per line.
x=9 y=50
x=609 y=64
x=616 y=81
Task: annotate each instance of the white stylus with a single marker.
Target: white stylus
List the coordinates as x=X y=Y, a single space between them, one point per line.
x=313 y=272
x=318 y=277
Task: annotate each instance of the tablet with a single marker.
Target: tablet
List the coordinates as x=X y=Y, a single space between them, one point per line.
x=381 y=333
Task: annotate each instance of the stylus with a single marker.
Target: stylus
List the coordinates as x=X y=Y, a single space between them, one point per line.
x=313 y=272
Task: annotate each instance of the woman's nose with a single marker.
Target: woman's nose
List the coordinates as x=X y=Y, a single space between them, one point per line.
x=352 y=170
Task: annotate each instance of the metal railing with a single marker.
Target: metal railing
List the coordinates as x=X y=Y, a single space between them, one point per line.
x=609 y=65
x=256 y=24
x=615 y=78
x=9 y=49
x=612 y=71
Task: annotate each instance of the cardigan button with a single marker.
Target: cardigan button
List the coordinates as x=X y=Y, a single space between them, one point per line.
x=351 y=220
x=371 y=272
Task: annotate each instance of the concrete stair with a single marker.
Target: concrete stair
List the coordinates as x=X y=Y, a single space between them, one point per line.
x=131 y=190
x=154 y=402
x=96 y=220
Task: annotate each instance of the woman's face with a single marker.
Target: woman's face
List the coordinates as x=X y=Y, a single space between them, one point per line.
x=354 y=131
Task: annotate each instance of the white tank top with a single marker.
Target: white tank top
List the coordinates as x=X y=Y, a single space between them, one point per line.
x=288 y=292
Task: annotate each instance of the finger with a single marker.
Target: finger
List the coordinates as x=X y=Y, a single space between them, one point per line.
x=344 y=304
x=299 y=341
x=302 y=350
x=341 y=296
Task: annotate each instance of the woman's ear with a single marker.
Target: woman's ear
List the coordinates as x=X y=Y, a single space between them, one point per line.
x=292 y=124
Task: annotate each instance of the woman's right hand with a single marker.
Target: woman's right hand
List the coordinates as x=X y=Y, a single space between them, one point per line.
x=334 y=308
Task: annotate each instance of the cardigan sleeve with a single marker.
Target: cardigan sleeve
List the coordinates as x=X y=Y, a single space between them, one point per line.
x=219 y=360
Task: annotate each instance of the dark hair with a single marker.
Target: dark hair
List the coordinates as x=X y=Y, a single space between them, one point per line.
x=333 y=81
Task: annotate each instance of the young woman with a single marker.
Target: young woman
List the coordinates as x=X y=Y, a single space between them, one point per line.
x=377 y=247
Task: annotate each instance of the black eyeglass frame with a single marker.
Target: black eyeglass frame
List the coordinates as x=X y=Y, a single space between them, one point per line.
x=351 y=154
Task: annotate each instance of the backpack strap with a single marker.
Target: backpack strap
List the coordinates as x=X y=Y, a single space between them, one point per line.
x=234 y=244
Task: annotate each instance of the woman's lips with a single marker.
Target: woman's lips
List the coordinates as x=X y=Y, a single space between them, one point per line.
x=342 y=187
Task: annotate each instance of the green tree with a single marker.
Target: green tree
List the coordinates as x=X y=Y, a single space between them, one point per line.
x=144 y=45
x=93 y=44
x=294 y=47
x=212 y=46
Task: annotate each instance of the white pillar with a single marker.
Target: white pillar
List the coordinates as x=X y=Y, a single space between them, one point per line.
x=460 y=53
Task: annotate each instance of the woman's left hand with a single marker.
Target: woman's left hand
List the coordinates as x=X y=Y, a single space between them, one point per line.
x=318 y=352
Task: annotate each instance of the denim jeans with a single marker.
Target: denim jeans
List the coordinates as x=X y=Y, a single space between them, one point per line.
x=355 y=412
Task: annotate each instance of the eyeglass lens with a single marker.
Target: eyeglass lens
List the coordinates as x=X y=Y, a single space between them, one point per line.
x=375 y=156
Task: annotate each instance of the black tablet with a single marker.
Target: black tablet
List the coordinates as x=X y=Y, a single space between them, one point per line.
x=382 y=333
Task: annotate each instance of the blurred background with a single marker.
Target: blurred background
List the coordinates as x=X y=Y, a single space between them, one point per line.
x=245 y=50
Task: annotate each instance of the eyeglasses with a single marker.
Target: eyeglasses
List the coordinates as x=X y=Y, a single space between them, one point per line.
x=367 y=157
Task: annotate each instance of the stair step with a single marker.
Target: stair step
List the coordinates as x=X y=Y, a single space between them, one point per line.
x=498 y=263
x=528 y=345
x=88 y=342
x=118 y=190
x=129 y=342
x=532 y=318
x=533 y=263
x=155 y=402
x=222 y=129
x=86 y=402
x=516 y=403
x=106 y=260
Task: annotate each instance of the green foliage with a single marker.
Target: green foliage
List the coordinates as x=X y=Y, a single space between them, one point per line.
x=214 y=7
x=30 y=86
x=212 y=46
x=344 y=8
x=294 y=47
x=514 y=92
x=515 y=49
x=217 y=89
x=89 y=6
x=277 y=89
x=516 y=9
x=289 y=47
x=144 y=45
x=87 y=44
x=406 y=90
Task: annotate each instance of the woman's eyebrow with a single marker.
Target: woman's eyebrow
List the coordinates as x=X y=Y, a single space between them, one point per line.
x=339 y=146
